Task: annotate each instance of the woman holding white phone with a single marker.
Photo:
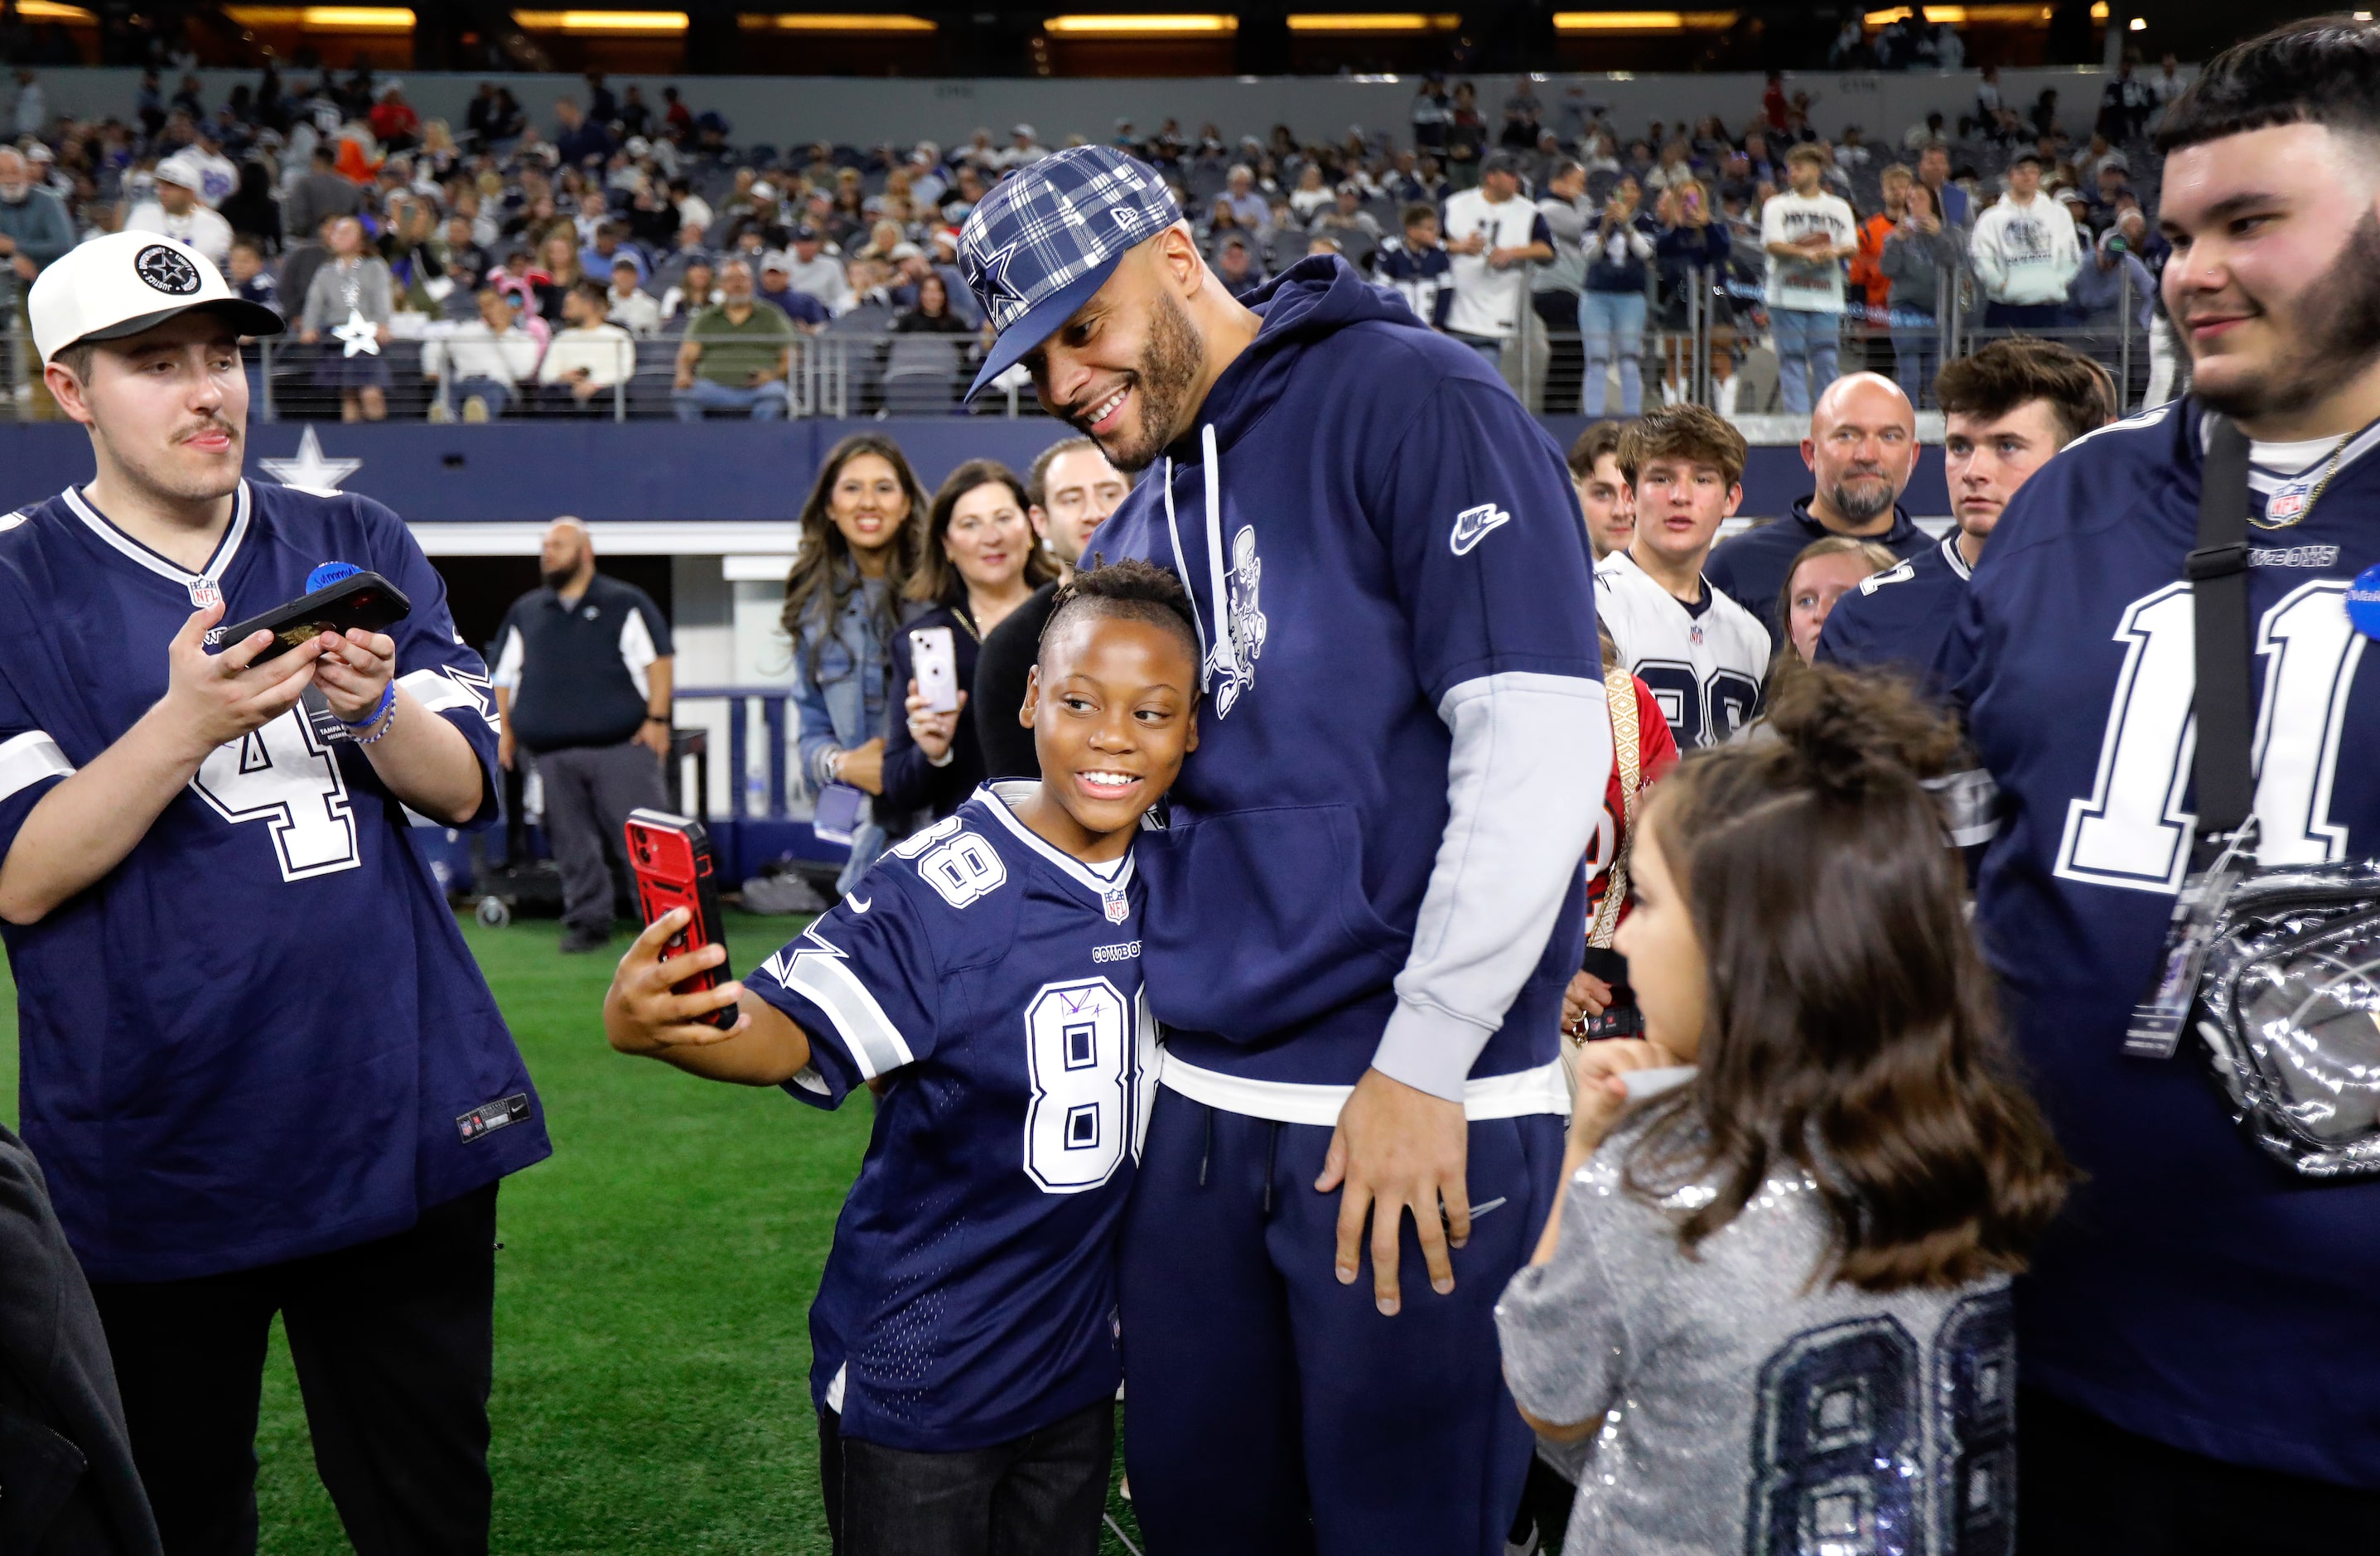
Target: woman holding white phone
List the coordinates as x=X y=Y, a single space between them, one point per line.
x=978 y=562
x=843 y=604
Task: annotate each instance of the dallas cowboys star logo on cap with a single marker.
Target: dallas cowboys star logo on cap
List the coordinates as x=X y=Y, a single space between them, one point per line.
x=987 y=273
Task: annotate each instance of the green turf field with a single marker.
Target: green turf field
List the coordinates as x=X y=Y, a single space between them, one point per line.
x=652 y=1349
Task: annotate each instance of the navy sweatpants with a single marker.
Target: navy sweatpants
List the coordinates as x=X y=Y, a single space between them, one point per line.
x=1268 y=1408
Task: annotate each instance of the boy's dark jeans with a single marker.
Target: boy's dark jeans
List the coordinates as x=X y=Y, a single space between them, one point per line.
x=1040 y=1495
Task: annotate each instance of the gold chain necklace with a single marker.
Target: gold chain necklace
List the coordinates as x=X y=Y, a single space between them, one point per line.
x=2291 y=500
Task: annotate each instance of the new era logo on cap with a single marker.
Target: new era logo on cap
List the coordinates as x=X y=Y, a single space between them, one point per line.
x=1050 y=235
x=128 y=282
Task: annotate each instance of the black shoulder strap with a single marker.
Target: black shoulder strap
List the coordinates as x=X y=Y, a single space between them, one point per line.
x=2218 y=579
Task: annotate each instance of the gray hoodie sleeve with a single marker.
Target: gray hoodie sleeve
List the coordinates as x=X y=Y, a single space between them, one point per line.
x=1492 y=569
x=1526 y=746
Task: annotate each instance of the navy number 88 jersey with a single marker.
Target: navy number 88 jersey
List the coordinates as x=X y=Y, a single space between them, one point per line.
x=995 y=982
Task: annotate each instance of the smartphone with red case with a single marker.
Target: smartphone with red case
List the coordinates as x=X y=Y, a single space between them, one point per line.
x=671 y=855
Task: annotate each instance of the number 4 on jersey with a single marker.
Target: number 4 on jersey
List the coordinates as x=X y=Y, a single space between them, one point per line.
x=279 y=775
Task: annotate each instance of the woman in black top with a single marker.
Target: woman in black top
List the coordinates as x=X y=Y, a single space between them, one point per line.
x=980 y=563
x=932 y=314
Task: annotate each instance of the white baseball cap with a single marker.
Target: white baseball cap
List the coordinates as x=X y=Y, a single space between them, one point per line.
x=128 y=282
x=182 y=170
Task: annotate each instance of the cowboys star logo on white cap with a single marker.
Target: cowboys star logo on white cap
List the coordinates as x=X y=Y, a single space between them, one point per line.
x=127 y=283
x=167 y=267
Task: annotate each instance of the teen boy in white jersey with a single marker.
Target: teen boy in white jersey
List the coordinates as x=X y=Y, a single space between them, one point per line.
x=1704 y=656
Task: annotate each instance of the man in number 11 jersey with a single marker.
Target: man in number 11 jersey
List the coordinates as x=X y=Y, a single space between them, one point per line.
x=2198 y=1335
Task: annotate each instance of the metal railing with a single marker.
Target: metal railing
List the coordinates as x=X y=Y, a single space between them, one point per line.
x=1691 y=317
x=1698 y=318
x=762 y=780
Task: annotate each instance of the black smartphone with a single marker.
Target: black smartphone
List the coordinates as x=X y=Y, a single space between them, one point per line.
x=364 y=600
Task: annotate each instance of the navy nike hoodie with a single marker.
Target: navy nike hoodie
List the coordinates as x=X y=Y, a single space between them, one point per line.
x=1374 y=855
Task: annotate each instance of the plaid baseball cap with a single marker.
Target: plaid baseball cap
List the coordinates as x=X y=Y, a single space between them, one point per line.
x=1049 y=235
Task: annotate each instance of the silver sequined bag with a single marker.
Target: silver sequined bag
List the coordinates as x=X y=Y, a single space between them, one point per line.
x=2288 y=1006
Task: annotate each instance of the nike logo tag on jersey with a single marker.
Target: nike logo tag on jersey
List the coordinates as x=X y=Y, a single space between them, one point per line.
x=1470 y=526
x=858 y=903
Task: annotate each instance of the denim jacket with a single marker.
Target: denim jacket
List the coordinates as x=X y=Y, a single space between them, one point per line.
x=841 y=693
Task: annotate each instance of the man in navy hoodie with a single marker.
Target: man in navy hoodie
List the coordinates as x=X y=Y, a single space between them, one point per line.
x=1368 y=899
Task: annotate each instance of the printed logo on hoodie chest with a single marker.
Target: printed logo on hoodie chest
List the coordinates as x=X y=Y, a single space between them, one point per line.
x=1242 y=640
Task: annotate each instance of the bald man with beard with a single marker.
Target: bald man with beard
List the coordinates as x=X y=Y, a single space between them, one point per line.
x=1861 y=451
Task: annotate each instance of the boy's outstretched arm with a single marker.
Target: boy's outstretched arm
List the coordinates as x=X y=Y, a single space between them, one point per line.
x=644 y=1013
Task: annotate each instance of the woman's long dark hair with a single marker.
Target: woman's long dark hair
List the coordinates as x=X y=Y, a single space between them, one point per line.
x=936 y=577
x=824 y=574
x=1850 y=1027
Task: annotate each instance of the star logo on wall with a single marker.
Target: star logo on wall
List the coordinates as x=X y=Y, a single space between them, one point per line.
x=310 y=471
x=359 y=334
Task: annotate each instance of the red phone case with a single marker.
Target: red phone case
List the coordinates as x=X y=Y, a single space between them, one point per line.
x=671 y=855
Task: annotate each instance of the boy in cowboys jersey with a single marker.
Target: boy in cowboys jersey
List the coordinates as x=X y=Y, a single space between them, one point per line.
x=985 y=976
x=2200 y=1356
x=1704 y=656
x=260 y=1066
x=1366 y=901
x=2006 y=409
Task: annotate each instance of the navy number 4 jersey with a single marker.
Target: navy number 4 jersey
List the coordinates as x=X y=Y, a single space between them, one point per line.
x=260 y=1036
x=995 y=982
x=2196 y=1291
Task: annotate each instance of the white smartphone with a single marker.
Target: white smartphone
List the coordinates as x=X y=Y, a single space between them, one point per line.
x=934 y=659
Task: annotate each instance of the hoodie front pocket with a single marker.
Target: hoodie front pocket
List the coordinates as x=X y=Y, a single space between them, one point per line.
x=1258 y=921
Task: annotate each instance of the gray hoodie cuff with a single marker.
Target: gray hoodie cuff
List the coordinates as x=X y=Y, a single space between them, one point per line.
x=1429 y=1050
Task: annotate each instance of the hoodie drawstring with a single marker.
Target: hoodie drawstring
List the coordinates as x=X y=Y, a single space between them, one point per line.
x=1224 y=654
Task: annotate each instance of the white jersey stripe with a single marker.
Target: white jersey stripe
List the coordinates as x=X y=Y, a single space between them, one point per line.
x=826 y=980
x=28 y=758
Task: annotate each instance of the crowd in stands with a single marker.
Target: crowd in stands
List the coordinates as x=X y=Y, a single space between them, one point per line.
x=629 y=258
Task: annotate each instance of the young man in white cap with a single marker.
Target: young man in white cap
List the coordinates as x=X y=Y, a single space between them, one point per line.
x=258 y=1064
x=177 y=209
x=1367 y=899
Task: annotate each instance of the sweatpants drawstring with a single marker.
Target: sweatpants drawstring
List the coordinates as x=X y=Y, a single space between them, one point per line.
x=1207 y=1150
x=1272 y=1150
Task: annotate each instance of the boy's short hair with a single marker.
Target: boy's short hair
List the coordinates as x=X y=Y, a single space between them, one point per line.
x=1418 y=213
x=1600 y=439
x=1804 y=151
x=253 y=245
x=1132 y=590
x=2005 y=374
x=1683 y=432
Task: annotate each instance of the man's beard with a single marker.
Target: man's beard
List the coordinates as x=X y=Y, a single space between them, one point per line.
x=558 y=579
x=1861 y=504
x=2330 y=335
x=1169 y=366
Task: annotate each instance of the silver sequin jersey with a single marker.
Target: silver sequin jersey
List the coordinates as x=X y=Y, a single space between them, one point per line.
x=1741 y=1412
